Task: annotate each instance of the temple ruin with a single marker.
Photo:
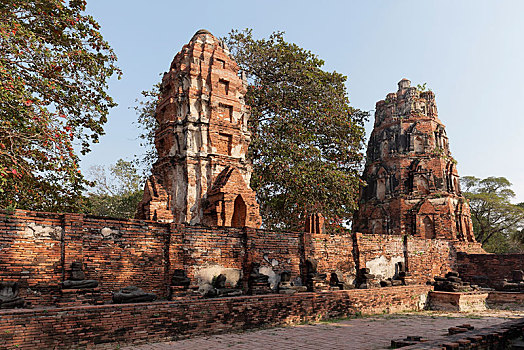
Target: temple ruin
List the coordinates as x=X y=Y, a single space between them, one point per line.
x=202 y=175
x=178 y=268
x=412 y=180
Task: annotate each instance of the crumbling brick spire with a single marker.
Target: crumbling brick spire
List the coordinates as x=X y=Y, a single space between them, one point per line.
x=202 y=175
x=412 y=180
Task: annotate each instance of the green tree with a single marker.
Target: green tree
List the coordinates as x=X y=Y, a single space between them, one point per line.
x=116 y=191
x=307 y=141
x=54 y=69
x=497 y=222
x=146 y=109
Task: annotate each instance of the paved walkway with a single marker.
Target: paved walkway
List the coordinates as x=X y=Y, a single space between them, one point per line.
x=363 y=333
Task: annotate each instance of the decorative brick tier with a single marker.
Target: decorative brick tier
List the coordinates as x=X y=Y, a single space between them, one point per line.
x=412 y=183
x=65 y=328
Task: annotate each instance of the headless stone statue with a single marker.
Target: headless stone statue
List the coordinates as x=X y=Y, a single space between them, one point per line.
x=132 y=294
x=258 y=283
x=9 y=296
x=286 y=286
x=219 y=283
x=77 y=280
x=516 y=284
x=218 y=288
x=335 y=282
x=256 y=276
x=180 y=279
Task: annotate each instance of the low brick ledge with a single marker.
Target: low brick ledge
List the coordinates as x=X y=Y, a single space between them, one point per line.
x=499 y=336
x=85 y=326
x=496 y=297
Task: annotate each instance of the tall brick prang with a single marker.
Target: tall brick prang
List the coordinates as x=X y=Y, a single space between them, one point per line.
x=202 y=175
x=412 y=180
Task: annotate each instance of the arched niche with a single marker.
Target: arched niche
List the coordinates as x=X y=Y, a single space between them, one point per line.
x=428 y=227
x=384 y=149
x=421 y=184
x=239 y=212
x=381 y=184
x=379 y=222
x=418 y=144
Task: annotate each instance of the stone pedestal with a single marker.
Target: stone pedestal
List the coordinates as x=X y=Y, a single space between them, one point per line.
x=179 y=293
x=320 y=284
x=76 y=297
x=259 y=288
x=462 y=302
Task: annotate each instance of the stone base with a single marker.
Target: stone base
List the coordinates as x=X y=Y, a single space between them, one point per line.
x=321 y=286
x=179 y=292
x=75 y=297
x=182 y=293
x=259 y=288
x=509 y=299
x=462 y=302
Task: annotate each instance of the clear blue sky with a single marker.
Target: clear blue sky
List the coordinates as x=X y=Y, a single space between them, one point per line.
x=470 y=53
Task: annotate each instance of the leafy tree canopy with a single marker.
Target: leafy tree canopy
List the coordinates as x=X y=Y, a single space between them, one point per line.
x=146 y=121
x=116 y=191
x=54 y=69
x=497 y=223
x=306 y=139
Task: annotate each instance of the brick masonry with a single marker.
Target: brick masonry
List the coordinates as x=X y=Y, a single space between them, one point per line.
x=412 y=180
x=65 y=328
x=495 y=267
x=38 y=249
x=202 y=175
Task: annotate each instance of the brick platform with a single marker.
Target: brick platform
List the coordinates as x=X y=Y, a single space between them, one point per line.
x=463 y=302
x=499 y=299
x=64 y=328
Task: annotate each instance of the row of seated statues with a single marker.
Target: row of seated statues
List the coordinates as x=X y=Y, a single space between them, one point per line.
x=220 y=286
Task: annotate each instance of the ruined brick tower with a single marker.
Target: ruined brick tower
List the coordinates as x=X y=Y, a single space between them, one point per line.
x=412 y=180
x=202 y=175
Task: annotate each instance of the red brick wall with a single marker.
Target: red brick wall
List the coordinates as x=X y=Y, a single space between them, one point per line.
x=334 y=253
x=282 y=248
x=372 y=246
x=131 y=253
x=427 y=258
x=37 y=250
x=66 y=328
x=207 y=246
x=118 y=253
x=32 y=259
x=424 y=258
x=496 y=267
